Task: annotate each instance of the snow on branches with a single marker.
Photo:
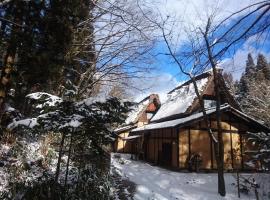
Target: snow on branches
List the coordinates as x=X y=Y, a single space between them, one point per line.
x=56 y=114
x=262 y=152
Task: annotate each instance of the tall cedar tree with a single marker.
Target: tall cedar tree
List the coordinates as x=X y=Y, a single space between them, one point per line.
x=248 y=74
x=39 y=40
x=263 y=68
x=253 y=89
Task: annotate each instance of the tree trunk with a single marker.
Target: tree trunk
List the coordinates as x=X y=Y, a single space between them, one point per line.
x=220 y=157
x=218 y=148
x=220 y=153
x=57 y=172
x=9 y=59
x=218 y=145
x=68 y=161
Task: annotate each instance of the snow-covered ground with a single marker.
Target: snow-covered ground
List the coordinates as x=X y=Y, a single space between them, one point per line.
x=155 y=183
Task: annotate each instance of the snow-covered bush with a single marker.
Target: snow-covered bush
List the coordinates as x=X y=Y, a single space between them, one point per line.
x=61 y=143
x=262 y=152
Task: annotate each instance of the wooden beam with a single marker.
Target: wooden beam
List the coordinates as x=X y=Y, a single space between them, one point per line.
x=162 y=131
x=178 y=141
x=168 y=138
x=123 y=145
x=231 y=149
x=160 y=146
x=231 y=143
x=154 y=140
x=241 y=150
x=211 y=147
x=189 y=144
x=157 y=141
x=215 y=130
x=148 y=146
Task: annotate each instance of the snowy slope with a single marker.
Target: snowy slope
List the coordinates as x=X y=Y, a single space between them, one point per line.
x=156 y=183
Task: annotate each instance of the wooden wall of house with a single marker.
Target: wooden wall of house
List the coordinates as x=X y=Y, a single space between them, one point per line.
x=195 y=140
x=123 y=146
x=159 y=141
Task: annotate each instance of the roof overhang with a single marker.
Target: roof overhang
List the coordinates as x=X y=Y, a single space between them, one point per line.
x=124 y=128
x=131 y=138
x=181 y=122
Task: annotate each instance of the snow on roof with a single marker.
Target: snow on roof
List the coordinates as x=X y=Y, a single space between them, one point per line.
x=182 y=121
x=176 y=122
x=180 y=99
x=132 y=137
x=136 y=110
x=124 y=128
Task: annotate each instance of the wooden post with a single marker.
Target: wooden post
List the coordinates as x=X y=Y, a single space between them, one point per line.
x=241 y=150
x=211 y=148
x=178 y=142
x=123 y=144
x=189 y=143
x=171 y=133
x=231 y=142
x=155 y=149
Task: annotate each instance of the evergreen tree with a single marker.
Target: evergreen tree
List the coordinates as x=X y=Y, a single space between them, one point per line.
x=40 y=40
x=248 y=75
x=261 y=154
x=262 y=68
x=250 y=66
x=253 y=89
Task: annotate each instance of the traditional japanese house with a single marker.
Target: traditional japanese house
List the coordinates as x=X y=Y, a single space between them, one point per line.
x=177 y=134
x=141 y=113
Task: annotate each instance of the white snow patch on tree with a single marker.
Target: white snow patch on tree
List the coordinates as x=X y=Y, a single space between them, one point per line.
x=30 y=123
x=49 y=99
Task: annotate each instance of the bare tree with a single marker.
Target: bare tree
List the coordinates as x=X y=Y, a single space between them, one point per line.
x=190 y=73
x=207 y=46
x=111 y=47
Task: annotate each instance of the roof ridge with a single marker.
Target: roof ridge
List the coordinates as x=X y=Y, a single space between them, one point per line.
x=198 y=77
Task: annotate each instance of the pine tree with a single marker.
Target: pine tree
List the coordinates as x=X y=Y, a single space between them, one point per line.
x=262 y=152
x=250 y=66
x=262 y=68
x=42 y=37
x=247 y=76
x=253 y=90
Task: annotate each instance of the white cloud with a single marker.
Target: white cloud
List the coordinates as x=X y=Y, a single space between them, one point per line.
x=188 y=14
x=196 y=11
x=160 y=84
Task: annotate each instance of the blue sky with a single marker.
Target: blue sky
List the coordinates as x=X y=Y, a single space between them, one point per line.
x=194 y=12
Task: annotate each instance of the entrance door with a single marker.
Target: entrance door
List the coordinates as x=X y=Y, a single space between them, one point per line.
x=167 y=154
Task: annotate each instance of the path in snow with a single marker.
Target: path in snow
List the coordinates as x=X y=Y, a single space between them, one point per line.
x=155 y=183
